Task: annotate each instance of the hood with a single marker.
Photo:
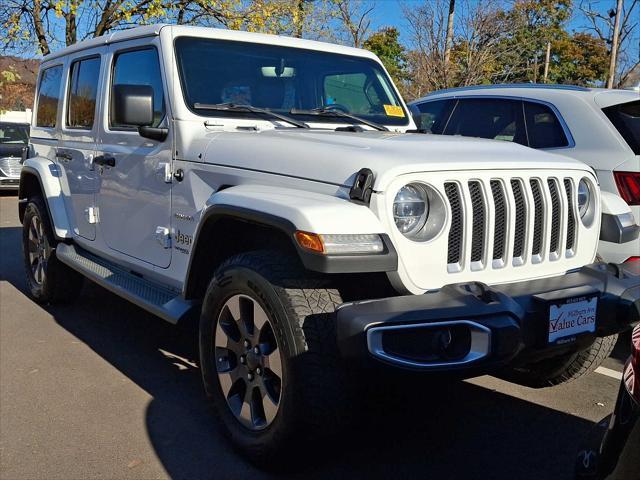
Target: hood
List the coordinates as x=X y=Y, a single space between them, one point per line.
x=335 y=157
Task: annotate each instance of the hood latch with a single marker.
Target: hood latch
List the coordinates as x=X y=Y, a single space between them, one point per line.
x=362 y=187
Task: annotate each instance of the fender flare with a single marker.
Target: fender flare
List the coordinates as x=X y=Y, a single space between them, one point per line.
x=47 y=175
x=289 y=211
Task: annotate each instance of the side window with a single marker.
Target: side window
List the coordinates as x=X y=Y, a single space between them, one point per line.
x=351 y=90
x=140 y=67
x=543 y=127
x=433 y=116
x=493 y=118
x=49 y=97
x=82 y=93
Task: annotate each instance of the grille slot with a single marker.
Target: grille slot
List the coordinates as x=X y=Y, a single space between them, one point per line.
x=538 y=219
x=501 y=220
x=479 y=219
x=10 y=166
x=555 y=216
x=521 y=218
x=455 y=234
x=571 y=219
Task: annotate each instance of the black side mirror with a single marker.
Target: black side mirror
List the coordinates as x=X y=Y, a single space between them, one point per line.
x=133 y=105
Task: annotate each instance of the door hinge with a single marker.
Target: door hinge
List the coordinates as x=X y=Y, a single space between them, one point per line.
x=165 y=171
x=163 y=236
x=92 y=215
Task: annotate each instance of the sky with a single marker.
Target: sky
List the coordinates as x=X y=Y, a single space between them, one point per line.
x=389 y=13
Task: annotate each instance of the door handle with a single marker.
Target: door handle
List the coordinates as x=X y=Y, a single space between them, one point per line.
x=64 y=156
x=105 y=160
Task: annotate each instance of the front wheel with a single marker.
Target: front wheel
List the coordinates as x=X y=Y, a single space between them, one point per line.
x=48 y=279
x=268 y=354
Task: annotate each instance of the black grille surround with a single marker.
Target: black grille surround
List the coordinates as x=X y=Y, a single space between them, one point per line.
x=571 y=215
x=479 y=217
x=521 y=218
x=500 y=227
x=452 y=191
x=538 y=218
x=554 y=246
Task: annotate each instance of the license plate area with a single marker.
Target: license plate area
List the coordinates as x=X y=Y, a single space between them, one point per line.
x=570 y=317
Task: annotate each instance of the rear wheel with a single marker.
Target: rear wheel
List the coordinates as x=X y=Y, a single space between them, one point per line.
x=48 y=280
x=565 y=368
x=269 y=356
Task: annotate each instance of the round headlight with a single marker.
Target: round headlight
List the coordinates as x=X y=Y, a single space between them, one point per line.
x=584 y=197
x=411 y=209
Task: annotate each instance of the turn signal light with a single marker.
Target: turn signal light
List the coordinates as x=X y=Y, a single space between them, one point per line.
x=310 y=241
x=628 y=184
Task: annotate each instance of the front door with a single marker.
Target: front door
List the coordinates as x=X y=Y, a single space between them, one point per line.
x=78 y=143
x=134 y=201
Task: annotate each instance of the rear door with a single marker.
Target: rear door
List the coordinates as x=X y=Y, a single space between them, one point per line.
x=78 y=140
x=135 y=193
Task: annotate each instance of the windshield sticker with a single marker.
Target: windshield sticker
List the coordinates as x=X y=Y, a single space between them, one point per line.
x=393 y=111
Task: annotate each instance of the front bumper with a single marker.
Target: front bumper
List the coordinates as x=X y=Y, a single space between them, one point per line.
x=497 y=326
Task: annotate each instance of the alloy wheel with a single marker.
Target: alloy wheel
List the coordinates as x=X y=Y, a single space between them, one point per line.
x=38 y=249
x=248 y=362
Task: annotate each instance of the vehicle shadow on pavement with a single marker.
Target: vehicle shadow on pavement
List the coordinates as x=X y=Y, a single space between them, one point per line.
x=450 y=431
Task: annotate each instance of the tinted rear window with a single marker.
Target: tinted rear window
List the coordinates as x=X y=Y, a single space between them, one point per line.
x=626 y=118
x=543 y=127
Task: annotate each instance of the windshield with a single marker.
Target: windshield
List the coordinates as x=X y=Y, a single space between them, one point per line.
x=626 y=118
x=14 y=134
x=283 y=79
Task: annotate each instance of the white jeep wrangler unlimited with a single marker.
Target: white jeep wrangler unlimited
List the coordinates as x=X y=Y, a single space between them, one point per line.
x=273 y=187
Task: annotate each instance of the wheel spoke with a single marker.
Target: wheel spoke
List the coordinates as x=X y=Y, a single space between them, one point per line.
x=32 y=244
x=260 y=319
x=269 y=407
x=33 y=232
x=228 y=326
x=39 y=272
x=226 y=359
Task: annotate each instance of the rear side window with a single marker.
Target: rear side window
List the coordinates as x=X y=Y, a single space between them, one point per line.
x=433 y=116
x=140 y=67
x=49 y=97
x=626 y=118
x=493 y=118
x=82 y=93
x=543 y=127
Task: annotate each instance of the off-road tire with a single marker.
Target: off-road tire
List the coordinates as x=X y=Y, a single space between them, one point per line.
x=563 y=369
x=300 y=305
x=60 y=283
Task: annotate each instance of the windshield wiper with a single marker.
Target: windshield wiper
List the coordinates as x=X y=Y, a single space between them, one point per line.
x=332 y=112
x=233 y=107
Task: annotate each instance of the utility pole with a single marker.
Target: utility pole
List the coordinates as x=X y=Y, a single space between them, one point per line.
x=449 y=39
x=614 y=46
x=547 y=58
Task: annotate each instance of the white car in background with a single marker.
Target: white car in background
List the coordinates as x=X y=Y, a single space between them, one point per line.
x=596 y=126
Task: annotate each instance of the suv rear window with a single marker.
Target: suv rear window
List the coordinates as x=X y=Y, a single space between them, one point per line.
x=626 y=118
x=82 y=93
x=543 y=127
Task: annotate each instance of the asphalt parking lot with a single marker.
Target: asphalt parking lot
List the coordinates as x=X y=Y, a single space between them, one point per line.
x=102 y=389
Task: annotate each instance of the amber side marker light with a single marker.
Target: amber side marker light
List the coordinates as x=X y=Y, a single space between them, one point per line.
x=310 y=241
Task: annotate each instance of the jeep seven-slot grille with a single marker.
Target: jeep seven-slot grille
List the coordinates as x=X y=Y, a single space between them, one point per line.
x=527 y=215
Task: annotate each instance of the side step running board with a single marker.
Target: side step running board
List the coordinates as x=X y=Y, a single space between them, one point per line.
x=154 y=298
